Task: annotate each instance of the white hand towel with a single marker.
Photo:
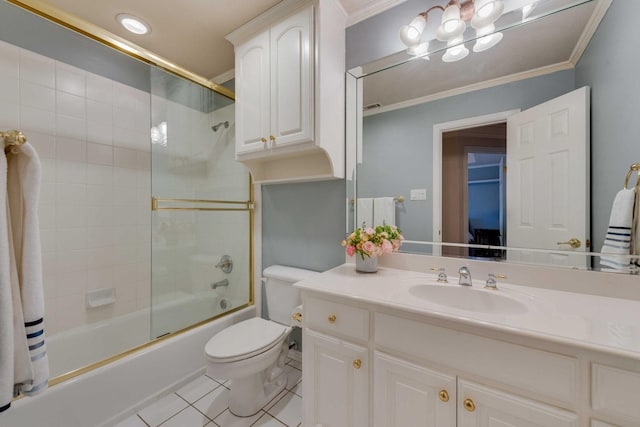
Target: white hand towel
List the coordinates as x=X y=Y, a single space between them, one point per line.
x=6 y=306
x=364 y=212
x=618 y=240
x=384 y=211
x=24 y=174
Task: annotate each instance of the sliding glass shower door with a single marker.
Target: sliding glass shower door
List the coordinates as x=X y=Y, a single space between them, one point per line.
x=201 y=207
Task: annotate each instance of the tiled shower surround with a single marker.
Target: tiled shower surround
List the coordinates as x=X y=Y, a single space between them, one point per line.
x=92 y=136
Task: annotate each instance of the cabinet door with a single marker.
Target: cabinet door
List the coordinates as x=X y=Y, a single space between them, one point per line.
x=408 y=395
x=292 y=97
x=335 y=382
x=480 y=406
x=252 y=94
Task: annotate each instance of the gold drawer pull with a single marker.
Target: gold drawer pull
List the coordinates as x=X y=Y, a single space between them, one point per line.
x=443 y=395
x=357 y=363
x=263 y=140
x=332 y=318
x=297 y=317
x=469 y=405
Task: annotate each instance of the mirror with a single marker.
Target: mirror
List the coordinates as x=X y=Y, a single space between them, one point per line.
x=405 y=109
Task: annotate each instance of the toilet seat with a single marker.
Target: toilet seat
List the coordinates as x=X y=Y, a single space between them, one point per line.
x=244 y=340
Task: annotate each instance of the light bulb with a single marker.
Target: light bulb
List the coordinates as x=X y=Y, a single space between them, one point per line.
x=486 y=38
x=456 y=52
x=133 y=24
x=487 y=12
x=420 y=49
x=411 y=34
x=452 y=26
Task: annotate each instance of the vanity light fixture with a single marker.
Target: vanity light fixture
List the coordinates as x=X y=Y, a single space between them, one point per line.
x=480 y=14
x=133 y=24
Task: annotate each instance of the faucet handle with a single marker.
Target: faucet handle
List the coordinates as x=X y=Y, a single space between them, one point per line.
x=491 y=283
x=442 y=275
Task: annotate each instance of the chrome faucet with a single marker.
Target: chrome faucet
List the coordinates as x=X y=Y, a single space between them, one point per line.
x=219 y=284
x=465 y=276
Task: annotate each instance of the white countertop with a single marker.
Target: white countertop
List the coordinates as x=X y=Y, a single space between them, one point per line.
x=597 y=323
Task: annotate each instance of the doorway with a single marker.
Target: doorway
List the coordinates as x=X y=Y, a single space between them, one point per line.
x=473 y=182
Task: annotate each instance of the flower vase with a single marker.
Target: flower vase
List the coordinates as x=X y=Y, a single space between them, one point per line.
x=366 y=265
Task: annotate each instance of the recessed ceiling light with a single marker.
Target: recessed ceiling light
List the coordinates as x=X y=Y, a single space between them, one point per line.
x=133 y=23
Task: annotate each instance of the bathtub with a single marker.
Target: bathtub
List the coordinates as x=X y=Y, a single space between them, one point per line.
x=88 y=344
x=107 y=394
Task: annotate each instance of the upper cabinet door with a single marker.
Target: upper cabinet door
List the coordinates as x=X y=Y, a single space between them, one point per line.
x=252 y=94
x=292 y=86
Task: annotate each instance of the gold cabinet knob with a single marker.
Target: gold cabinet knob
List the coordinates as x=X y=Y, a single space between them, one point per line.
x=332 y=318
x=297 y=317
x=357 y=363
x=272 y=138
x=443 y=395
x=263 y=140
x=573 y=242
x=469 y=405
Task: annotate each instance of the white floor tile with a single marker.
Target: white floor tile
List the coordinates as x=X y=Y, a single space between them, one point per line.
x=187 y=418
x=132 y=421
x=163 y=409
x=296 y=364
x=288 y=409
x=197 y=388
x=227 y=419
x=293 y=376
x=275 y=400
x=268 y=421
x=214 y=403
x=298 y=389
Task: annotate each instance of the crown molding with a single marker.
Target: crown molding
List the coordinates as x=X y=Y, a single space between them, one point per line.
x=371 y=9
x=561 y=66
x=224 y=77
x=594 y=21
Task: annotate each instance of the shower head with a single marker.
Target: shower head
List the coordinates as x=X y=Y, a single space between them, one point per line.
x=216 y=127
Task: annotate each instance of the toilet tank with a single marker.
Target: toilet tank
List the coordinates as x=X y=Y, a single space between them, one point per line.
x=281 y=296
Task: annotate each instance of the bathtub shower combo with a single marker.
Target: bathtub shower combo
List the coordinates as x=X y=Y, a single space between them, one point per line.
x=117 y=135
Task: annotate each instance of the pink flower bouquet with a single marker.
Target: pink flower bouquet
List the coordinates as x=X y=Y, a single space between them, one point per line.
x=373 y=242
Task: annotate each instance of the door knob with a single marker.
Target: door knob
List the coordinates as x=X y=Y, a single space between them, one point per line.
x=573 y=242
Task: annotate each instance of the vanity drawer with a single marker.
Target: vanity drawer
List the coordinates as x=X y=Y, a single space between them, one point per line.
x=615 y=392
x=336 y=318
x=546 y=374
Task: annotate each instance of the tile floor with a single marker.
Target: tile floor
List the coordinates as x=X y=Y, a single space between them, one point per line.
x=204 y=402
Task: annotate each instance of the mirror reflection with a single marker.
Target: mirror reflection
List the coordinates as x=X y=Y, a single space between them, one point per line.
x=523 y=145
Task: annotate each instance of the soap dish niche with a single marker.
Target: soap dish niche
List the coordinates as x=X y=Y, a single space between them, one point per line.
x=101 y=297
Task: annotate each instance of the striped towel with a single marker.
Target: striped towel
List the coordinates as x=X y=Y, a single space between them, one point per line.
x=617 y=244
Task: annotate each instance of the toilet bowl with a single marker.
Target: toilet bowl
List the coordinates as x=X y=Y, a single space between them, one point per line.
x=252 y=353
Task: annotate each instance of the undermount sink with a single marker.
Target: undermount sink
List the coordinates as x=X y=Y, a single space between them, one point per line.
x=469 y=299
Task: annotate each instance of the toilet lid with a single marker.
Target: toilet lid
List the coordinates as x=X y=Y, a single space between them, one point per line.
x=244 y=339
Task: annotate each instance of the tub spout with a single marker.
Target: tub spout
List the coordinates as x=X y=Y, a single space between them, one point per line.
x=221 y=283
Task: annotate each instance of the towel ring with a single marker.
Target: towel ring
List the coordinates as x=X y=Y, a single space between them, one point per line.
x=634 y=167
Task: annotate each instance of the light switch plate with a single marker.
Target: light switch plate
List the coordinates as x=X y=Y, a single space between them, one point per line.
x=418 y=194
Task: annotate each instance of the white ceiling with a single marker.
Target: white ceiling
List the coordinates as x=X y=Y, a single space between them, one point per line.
x=191 y=33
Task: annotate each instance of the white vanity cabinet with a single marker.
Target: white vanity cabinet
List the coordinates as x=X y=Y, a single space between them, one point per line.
x=289 y=70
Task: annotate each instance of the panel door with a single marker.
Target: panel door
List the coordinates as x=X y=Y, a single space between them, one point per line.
x=547 y=193
x=335 y=382
x=409 y=395
x=252 y=95
x=292 y=97
x=480 y=406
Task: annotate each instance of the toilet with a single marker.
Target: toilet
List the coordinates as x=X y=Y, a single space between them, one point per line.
x=252 y=353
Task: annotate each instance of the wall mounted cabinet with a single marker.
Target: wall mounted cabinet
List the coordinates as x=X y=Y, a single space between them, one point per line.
x=290 y=92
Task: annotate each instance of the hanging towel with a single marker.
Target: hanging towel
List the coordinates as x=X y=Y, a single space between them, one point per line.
x=364 y=212
x=617 y=243
x=6 y=306
x=24 y=172
x=635 y=232
x=384 y=211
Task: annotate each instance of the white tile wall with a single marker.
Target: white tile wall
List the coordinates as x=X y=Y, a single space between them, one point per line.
x=92 y=135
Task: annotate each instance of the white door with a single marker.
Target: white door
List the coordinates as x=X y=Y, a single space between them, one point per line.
x=480 y=406
x=335 y=382
x=292 y=80
x=252 y=95
x=547 y=193
x=408 y=395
